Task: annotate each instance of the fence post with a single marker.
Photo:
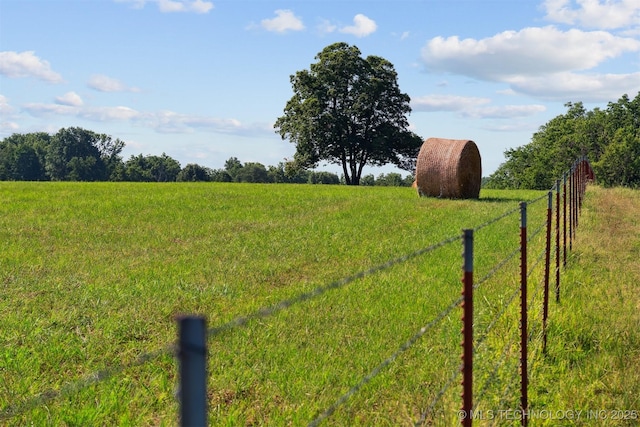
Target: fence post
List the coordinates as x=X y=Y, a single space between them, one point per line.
x=192 y=353
x=571 y=195
x=558 y=240
x=523 y=314
x=467 y=330
x=564 y=220
x=547 y=269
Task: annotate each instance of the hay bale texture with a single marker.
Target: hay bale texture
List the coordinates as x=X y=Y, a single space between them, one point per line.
x=449 y=168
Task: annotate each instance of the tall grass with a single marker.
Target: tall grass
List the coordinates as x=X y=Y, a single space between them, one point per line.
x=93 y=276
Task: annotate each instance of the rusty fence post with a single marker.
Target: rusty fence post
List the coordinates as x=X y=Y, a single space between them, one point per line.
x=564 y=221
x=571 y=195
x=558 y=240
x=467 y=330
x=547 y=270
x=523 y=314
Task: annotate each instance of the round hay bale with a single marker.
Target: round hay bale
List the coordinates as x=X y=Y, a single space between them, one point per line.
x=449 y=168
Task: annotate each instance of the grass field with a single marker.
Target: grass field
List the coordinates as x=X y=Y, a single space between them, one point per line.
x=94 y=274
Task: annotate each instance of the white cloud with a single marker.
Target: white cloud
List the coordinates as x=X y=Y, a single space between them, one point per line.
x=529 y=52
x=504 y=111
x=362 y=26
x=161 y=121
x=5 y=108
x=606 y=14
x=284 y=21
x=171 y=6
x=544 y=62
x=473 y=107
x=104 y=83
x=27 y=64
x=446 y=103
x=70 y=98
x=109 y=114
x=8 y=127
x=579 y=87
x=325 y=27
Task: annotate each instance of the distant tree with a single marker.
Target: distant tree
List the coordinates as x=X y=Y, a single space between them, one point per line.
x=277 y=173
x=22 y=157
x=392 y=179
x=609 y=138
x=620 y=162
x=368 y=179
x=349 y=111
x=252 y=172
x=194 y=172
x=232 y=166
x=220 y=175
x=73 y=155
x=152 y=168
x=323 y=178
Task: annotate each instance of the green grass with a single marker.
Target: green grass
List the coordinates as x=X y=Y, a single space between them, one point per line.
x=94 y=274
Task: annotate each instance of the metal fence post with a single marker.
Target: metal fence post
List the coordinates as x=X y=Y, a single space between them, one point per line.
x=547 y=269
x=192 y=353
x=467 y=330
x=571 y=195
x=558 y=240
x=523 y=314
x=564 y=221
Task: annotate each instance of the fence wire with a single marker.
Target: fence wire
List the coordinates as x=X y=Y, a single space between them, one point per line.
x=71 y=388
x=327 y=413
x=96 y=377
x=284 y=304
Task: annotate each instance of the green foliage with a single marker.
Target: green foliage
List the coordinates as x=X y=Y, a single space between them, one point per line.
x=152 y=168
x=323 y=178
x=608 y=138
x=349 y=111
x=193 y=172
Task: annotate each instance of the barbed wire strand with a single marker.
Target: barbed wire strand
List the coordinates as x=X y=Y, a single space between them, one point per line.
x=70 y=388
x=505 y=306
x=269 y=311
x=496 y=219
x=493 y=375
x=497 y=268
x=537 y=199
x=438 y=396
x=329 y=411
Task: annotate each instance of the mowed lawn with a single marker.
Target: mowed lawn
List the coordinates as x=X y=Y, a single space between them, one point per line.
x=94 y=274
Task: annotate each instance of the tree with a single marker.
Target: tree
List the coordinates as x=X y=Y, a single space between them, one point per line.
x=194 y=172
x=152 y=168
x=73 y=155
x=349 y=111
x=232 y=167
x=610 y=138
x=22 y=157
x=252 y=172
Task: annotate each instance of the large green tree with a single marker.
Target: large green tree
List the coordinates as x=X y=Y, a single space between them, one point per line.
x=610 y=138
x=349 y=110
x=77 y=154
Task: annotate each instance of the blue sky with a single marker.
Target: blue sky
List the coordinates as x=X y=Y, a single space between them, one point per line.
x=203 y=80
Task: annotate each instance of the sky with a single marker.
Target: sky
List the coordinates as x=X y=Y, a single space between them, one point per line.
x=203 y=81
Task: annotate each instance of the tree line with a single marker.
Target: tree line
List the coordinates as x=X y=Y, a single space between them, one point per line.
x=77 y=154
x=610 y=138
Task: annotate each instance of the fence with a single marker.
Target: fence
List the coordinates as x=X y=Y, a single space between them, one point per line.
x=557 y=242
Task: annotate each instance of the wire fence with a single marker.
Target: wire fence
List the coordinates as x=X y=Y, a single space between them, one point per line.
x=496 y=378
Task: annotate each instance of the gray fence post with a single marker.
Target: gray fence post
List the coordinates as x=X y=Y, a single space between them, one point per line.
x=192 y=353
